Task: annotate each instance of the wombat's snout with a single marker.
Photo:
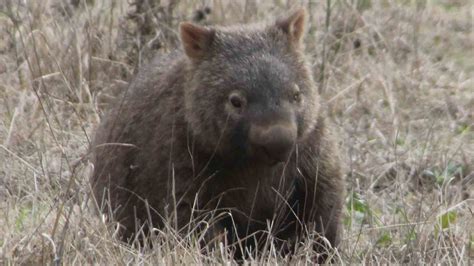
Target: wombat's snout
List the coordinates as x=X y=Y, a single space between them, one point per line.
x=273 y=143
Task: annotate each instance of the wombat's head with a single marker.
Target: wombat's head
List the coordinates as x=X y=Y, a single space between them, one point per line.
x=250 y=93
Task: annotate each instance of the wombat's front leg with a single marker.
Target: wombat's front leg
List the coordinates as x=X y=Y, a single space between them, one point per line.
x=322 y=190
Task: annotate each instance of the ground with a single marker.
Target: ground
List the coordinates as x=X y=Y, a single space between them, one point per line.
x=395 y=76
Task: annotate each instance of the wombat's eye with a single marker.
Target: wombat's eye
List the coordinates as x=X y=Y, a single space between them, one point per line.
x=297 y=96
x=235 y=100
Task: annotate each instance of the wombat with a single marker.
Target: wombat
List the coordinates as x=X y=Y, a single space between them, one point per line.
x=230 y=127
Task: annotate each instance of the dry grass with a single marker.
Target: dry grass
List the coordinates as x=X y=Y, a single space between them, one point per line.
x=397 y=77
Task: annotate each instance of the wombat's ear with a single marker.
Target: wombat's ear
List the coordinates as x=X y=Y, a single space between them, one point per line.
x=195 y=39
x=294 y=25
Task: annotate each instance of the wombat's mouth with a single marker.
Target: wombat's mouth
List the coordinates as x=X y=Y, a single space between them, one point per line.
x=269 y=158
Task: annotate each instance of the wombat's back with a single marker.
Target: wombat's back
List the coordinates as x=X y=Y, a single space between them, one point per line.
x=138 y=127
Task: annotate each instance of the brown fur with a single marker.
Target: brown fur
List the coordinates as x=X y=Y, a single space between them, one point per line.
x=174 y=142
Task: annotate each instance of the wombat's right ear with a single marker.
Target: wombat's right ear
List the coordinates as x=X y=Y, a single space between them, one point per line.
x=294 y=25
x=195 y=39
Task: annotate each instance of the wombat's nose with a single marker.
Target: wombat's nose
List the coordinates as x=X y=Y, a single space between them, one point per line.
x=274 y=142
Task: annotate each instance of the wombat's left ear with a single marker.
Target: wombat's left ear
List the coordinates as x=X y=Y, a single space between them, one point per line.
x=196 y=40
x=294 y=25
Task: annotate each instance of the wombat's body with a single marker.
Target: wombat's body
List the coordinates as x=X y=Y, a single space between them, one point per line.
x=233 y=124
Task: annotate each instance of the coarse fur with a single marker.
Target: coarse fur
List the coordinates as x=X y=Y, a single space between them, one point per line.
x=186 y=139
